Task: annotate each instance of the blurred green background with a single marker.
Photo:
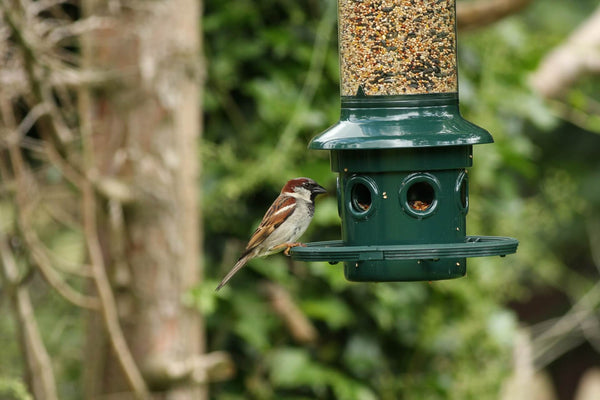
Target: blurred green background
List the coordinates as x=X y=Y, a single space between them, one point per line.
x=272 y=84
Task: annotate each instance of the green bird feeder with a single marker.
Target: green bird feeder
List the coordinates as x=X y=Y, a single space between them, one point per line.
x=401 y=147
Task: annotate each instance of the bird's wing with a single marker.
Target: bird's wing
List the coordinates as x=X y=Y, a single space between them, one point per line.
x=280 y=210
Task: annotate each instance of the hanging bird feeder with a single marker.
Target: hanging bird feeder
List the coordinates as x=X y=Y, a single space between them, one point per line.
x=401 y=147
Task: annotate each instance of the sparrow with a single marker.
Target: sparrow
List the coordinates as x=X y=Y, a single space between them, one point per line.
x=284 y=222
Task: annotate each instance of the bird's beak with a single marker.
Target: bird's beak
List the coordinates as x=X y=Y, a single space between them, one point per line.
x=317 y=189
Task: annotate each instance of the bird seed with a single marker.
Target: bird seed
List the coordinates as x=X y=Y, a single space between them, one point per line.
x=395 y=47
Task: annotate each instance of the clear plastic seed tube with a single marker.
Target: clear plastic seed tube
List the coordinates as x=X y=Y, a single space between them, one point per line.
x=397 y=47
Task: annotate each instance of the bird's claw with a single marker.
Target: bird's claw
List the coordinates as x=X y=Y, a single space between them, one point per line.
x=290 y=245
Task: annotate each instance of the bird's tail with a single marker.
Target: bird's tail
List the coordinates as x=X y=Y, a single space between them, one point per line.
x=238 y=265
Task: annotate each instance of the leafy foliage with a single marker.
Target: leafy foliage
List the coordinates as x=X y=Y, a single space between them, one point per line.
x=393 y=340
x=13 y=390
x=272 y=84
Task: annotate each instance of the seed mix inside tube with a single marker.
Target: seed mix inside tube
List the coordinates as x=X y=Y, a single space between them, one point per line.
x=395 y=47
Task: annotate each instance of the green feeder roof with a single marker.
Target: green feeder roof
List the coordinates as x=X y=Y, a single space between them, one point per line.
x=407 y=121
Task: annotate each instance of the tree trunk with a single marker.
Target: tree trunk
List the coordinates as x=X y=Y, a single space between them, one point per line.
x=141 y=146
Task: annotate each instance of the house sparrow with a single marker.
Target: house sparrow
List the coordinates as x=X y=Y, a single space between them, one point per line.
x=284 y=222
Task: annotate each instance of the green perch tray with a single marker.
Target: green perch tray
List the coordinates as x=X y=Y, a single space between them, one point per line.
x=411 y=262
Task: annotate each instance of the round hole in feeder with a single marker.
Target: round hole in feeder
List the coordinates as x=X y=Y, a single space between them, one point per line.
x=462 y=192
x=362 y=196
x=418 y=195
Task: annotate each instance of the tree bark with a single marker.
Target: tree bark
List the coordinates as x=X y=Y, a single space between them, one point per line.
x=140 y=144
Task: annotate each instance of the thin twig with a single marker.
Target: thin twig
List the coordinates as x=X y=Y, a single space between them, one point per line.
x=52 y=127
x=577 y=56
x=32 y=116
x=44 y=264
x=195 y=369
x=37 y=7
x=563 y=334
x=78 y=28
x=109 y=307
x=298 y=324
x=24 y=208
x=588 y=120
x=42 y=382
x=478 y=14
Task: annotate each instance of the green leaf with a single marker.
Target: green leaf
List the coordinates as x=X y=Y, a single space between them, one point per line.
x=330 y=310
x=13 y=390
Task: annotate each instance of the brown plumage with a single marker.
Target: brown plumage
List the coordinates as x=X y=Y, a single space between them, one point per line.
x=283 y=223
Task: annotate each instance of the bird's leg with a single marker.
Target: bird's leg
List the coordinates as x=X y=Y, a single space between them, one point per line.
x=287 y=246
x=290 y=245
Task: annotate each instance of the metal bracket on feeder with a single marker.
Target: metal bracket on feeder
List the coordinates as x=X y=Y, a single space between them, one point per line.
x=401 y=147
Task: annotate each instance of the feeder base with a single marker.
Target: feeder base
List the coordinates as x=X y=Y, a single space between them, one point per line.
x=405 y=271
x=415 y=262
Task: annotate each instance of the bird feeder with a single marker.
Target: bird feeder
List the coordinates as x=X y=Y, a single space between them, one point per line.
x=401 y=147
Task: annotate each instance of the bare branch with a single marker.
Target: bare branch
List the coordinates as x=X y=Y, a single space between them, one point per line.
x=52 y=126
x=38 y=364
x=79 y=27
x=109 y=307
x=577 y=56
x=587 y=118
x=81 y=78
x=44 y=264
x=23 y=196
x=567 y=331
x=299 y=326
x=37 y=7
x=473 y=15
x=198 y=370
x=114 y=189
x=32 y=116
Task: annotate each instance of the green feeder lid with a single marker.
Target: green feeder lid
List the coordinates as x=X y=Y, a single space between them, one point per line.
x=406 y=121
